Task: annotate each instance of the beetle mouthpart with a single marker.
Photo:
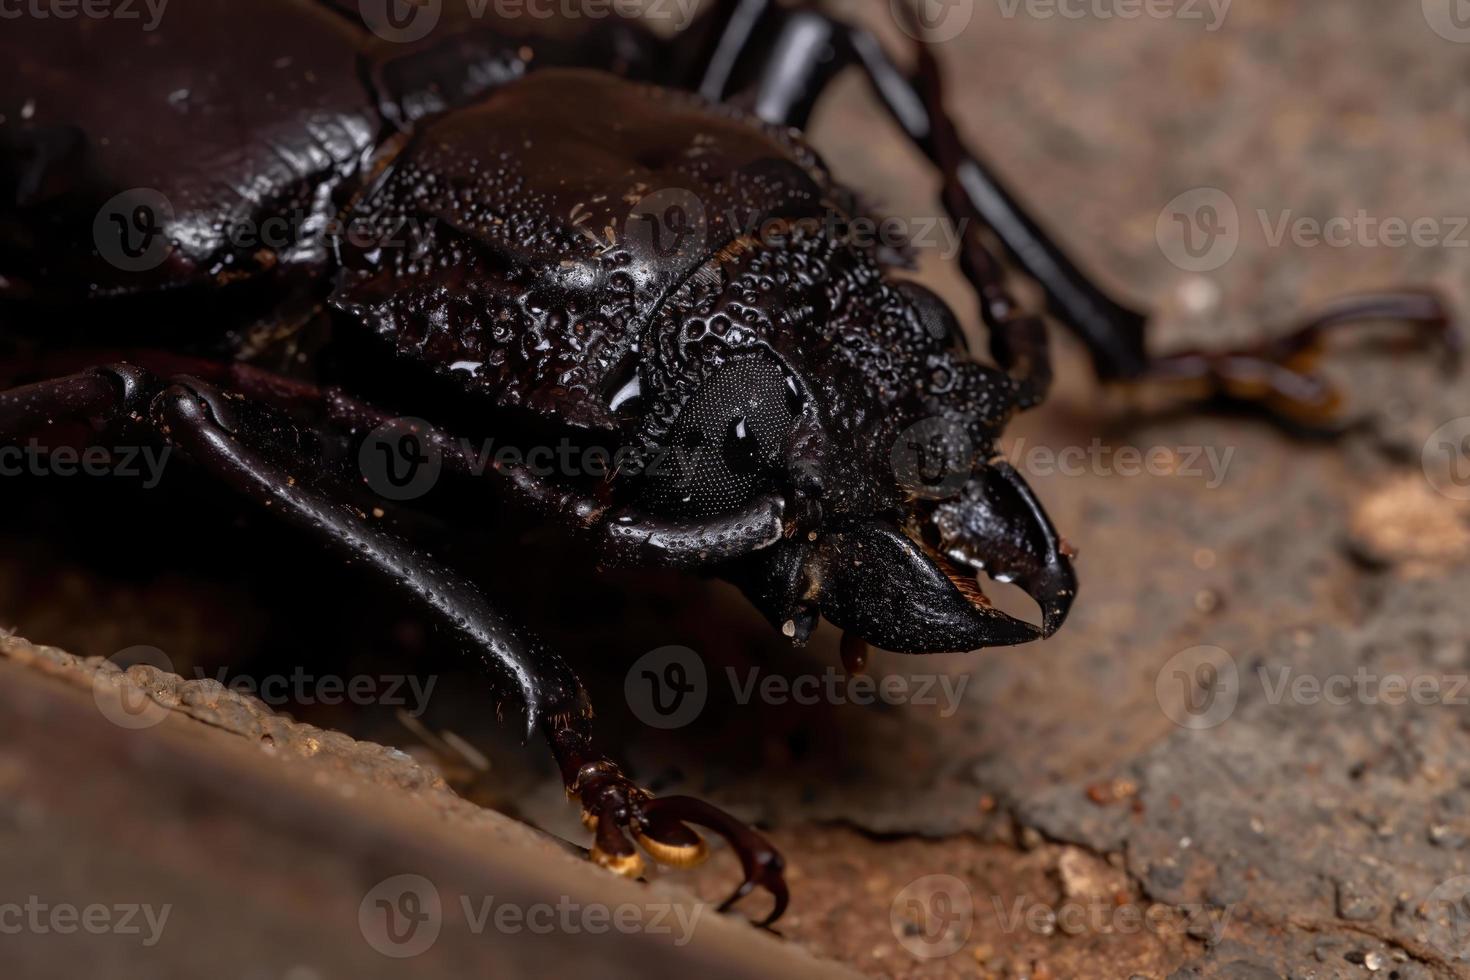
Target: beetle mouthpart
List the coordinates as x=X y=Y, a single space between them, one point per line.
x=996 y=525
x=893 y=592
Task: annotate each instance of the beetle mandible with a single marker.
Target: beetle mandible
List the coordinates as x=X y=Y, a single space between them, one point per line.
x=547 y=232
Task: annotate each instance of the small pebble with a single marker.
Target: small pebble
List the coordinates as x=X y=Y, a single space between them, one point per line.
x=1199 y=295
x=1442 y=835
x=1354 y=904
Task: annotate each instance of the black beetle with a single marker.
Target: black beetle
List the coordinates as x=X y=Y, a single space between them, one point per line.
x=547 y=234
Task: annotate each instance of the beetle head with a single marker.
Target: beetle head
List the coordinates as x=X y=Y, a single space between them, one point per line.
x=907 y=578
x=852 y=397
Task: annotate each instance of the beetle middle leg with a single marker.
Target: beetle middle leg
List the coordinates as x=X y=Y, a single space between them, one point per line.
x=1276 y=375
x=257 y=451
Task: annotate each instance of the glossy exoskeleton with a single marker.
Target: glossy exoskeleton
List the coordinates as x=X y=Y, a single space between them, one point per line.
x=570 y=228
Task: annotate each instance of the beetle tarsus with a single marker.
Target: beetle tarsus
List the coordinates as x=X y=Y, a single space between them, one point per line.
x=620 y=813
x=762 y=863
x=1278 y=374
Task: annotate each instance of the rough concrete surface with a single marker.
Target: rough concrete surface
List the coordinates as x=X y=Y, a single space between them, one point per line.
x=1244 y=755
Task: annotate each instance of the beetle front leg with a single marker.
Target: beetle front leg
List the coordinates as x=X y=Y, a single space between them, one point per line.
x=244 y=447
x=625 y=536
x=197 y=418
x=257 y=452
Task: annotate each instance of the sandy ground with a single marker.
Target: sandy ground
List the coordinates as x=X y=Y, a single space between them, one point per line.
x=1242 y=758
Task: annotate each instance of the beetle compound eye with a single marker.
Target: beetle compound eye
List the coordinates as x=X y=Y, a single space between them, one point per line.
x=725 y=446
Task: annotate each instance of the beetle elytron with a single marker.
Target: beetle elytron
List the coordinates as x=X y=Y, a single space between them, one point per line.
x=548 y=284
